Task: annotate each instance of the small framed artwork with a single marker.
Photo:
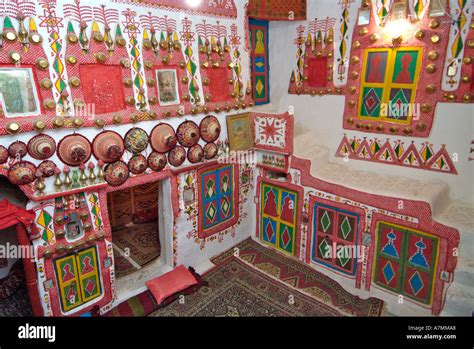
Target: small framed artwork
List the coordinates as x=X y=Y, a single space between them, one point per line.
x=167 y=84
x=240 y=132
x=18 y=93
x=188 y=196
x=364 y=16
x=74 y=228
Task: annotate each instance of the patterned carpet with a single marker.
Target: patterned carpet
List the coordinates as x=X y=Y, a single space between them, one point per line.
x=14 y=299
x=15 y=278
x=239 y=290
x=303 y=278
x=18 y=304
x=142 y=240
x=123 y=266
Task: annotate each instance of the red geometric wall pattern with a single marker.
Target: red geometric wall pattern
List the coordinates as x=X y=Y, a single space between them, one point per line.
x=397 y=153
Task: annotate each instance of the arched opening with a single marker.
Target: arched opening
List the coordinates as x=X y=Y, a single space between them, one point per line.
x=14 y=298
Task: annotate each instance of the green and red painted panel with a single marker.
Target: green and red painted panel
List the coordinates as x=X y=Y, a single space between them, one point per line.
x=335 y=238
x=259 y=61
x=278 y=217
x=406 y=261
x=78 y=278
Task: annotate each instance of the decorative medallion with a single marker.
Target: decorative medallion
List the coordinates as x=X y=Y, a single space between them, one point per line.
x=116 y=173
x=136 y=140
x=177 y=156
x=195 y=154
x=108 y=146
x=3 y=154
x=210 y=151
x=210 y=128
x=157 y=161
x=188 y=134
x=18 y=148
x=47 y=168
x=74 y=150
x=41 y=147
x=23 y=172
x=137 y=164
x=163 y=138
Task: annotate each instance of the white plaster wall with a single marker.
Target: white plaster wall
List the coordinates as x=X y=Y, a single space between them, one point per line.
x=190 y=250
x=323 y=116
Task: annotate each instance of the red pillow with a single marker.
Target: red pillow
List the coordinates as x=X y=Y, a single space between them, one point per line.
x=170 y=283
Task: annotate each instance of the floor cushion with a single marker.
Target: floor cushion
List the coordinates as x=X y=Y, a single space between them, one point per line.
x=171 y=283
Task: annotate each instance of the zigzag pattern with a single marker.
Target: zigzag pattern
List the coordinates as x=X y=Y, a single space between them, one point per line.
x=303 y=278
x=395 y=153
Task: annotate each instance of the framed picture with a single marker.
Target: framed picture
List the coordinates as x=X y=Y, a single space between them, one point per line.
x=18 y=93
x=240 y=132
x=167 y=83
x=74 y=228
x=364 y=16
x=188 y=196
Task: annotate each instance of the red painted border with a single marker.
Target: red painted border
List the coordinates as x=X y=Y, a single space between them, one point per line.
x=28 y=60
x=449 y=237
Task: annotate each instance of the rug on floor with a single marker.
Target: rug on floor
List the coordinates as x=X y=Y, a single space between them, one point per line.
x=142 y=240
x=14 y=279
x=303 y=278
x=239 y=290
x=17 y=304
x=122 y=265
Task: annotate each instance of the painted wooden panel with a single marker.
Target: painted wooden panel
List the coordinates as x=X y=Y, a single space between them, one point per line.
x=406 y=261
x=278 y=219
x=78 y=278
x=259 y=61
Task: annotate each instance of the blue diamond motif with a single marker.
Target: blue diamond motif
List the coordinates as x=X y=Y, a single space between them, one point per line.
x=416 y=283
x=388 y=272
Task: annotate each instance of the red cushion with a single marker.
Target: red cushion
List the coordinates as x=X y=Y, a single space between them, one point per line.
x=170 y=283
